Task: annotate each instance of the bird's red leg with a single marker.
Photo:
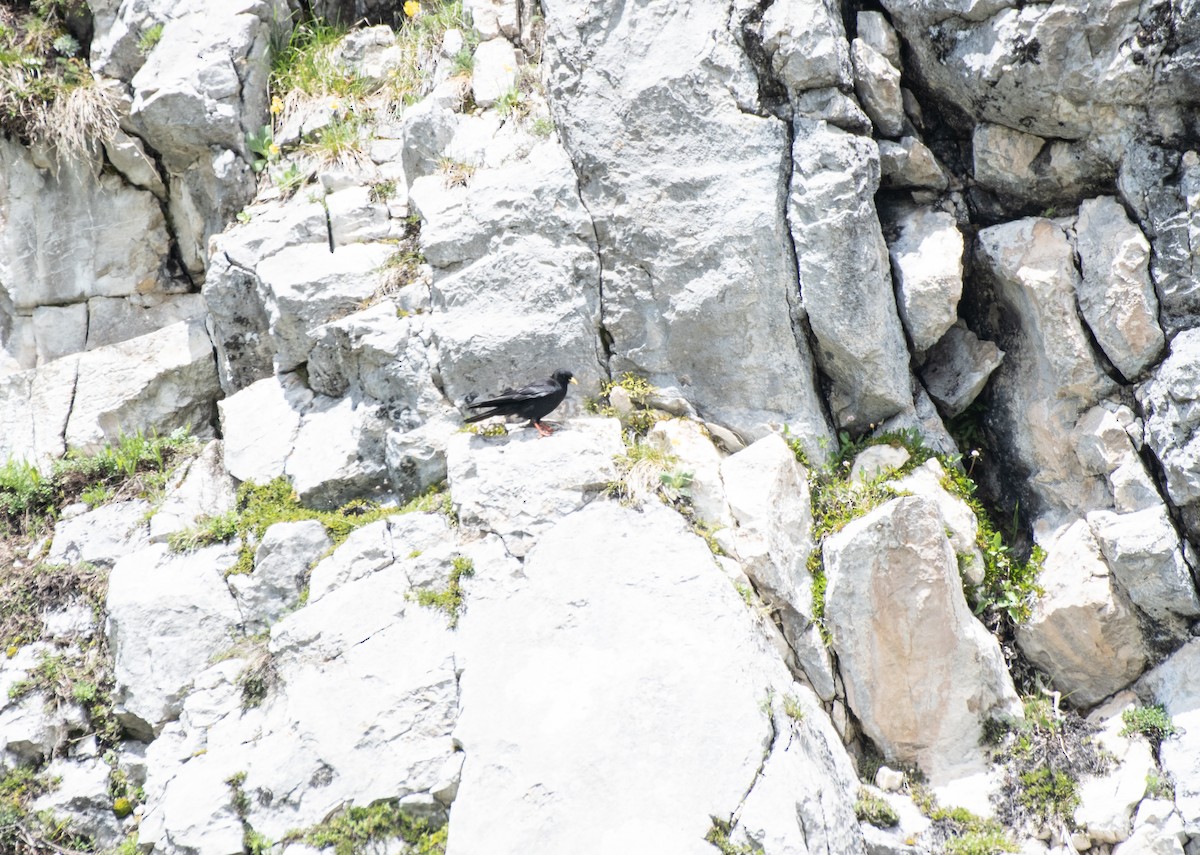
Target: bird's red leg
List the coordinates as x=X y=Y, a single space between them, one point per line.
x=542 y=429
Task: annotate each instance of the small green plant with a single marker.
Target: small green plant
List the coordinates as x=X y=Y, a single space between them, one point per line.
x=244 y=217
x=289 y=179
x=304 y=69
x=792 y=708
x=80 y=677
x=635 y=412
x=875 y=810
x=354 y=829
x=262 y=145
x=1151 y=722
x=1160 y=786
x=965 y=833
x=339 y=143
x=381 y=191
x=718 y=836
x=990 y=842
x=1049 y=793
x=149 y=38
x=464 y=62
x=542 y=127
x=450 y=599
x=512 y=104
x=493 y=430
x=258 y=507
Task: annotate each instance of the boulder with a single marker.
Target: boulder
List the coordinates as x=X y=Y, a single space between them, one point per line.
x=1116 y=295
x=1158 y=829
x=1168 y=400
x=686 y=441
x=81 y=799
x=910 y=163
x=767 y=491
x=494 y=72
x=100 y=536
x=1172 y=684
x=877 y=33
x=921 y=673
x=1083 y=631
x=156 y=382
x=167 y=615
x=59 y=243
x=958 y=367
x=1145 y=555
x=259 y=425
x=927 y=264
x=519 y=485
x=806 y=43
x=845 y=280
x=1050 y=376
x=877 y=84
x=515 y=292
x=1108 y=800
x=670 y=239
x=1162 y=187
x=654 y=619
x=338 y=454
x=493 y=18
x=307 y=285
x=1027 y=170
x=962 y=527
x=282 y=561
x=201 y=488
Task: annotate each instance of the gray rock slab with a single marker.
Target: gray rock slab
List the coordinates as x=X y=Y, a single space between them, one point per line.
x=957 y=368
x=877 y=84
x=927 y=265
x=1170 y=400
x=845 y=279
x=678 y=659
x=101 y=536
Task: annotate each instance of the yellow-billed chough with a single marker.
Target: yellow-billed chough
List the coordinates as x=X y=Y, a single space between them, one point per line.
x=533 y=402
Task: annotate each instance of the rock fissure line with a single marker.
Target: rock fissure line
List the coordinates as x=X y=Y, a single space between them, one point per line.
x=174 y=253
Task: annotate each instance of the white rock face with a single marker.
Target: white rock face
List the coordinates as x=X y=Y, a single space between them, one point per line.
x=1158 y=829
x=958 y=367
x=921 y=673
x=111 y=320
x=260 y=424
x=1116 y=295
x=164 y=380
x=101 y=536
x=666 y=232
x=806 y=41
x=60 y=242
x=767 y=491
x=1172 y=417
x=696 y=453
x=1049 y=376
x=495 y=71
x=1173 y=685
x=1145 y=555
x=671 y=659
x=281 y=564
x=877 y=84
x=167 y=615
x=1083 y=631
x=927 y=263
x=204 y=488
x=520 y=485
x=338 y=454
x=1107 y=801
x=845 y=279
x=81 y=797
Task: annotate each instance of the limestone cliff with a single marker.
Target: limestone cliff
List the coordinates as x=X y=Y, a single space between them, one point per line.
x=820 y=268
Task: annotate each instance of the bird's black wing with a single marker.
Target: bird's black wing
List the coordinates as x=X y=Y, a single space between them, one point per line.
x=532 y=392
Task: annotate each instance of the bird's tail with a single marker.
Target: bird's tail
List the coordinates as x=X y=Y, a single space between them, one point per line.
x=478 y=417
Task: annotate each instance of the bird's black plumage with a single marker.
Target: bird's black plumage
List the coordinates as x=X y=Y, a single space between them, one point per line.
x=533 y=402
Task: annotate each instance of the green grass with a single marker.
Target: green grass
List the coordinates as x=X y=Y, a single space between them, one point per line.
x=639 y=391
x=259 y=506
x=149 y=38
x=1050 y=794
x=305 y=68
x=134 y=465
x=83 y=677
x=1151 y=722
x=875 y=810
x=450 y=599
x=718 y=836
x=354 y=829
x=29 y=591
x=24 y=832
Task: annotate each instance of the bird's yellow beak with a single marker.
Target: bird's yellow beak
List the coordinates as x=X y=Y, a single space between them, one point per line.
x=574 y=382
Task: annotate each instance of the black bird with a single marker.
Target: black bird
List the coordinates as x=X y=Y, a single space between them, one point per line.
x=533 y=402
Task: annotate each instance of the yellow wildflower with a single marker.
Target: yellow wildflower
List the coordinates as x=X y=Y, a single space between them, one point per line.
x=273 y=149
x=411 y=8
x=276 y=106
x=335 y=105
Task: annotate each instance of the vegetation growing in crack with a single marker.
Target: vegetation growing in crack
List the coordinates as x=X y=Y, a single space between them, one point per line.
x=451 y=599
x=958 y=831
x=259 y=506
x=718 y=836
x=135 y=465
x=1043 y=757
x=253 y=843
x=47 y=92
x=875 y=810
x=24 y=831
x=1004 y=598
x=1152 y=722
x=629 y=399
x=353 y=829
